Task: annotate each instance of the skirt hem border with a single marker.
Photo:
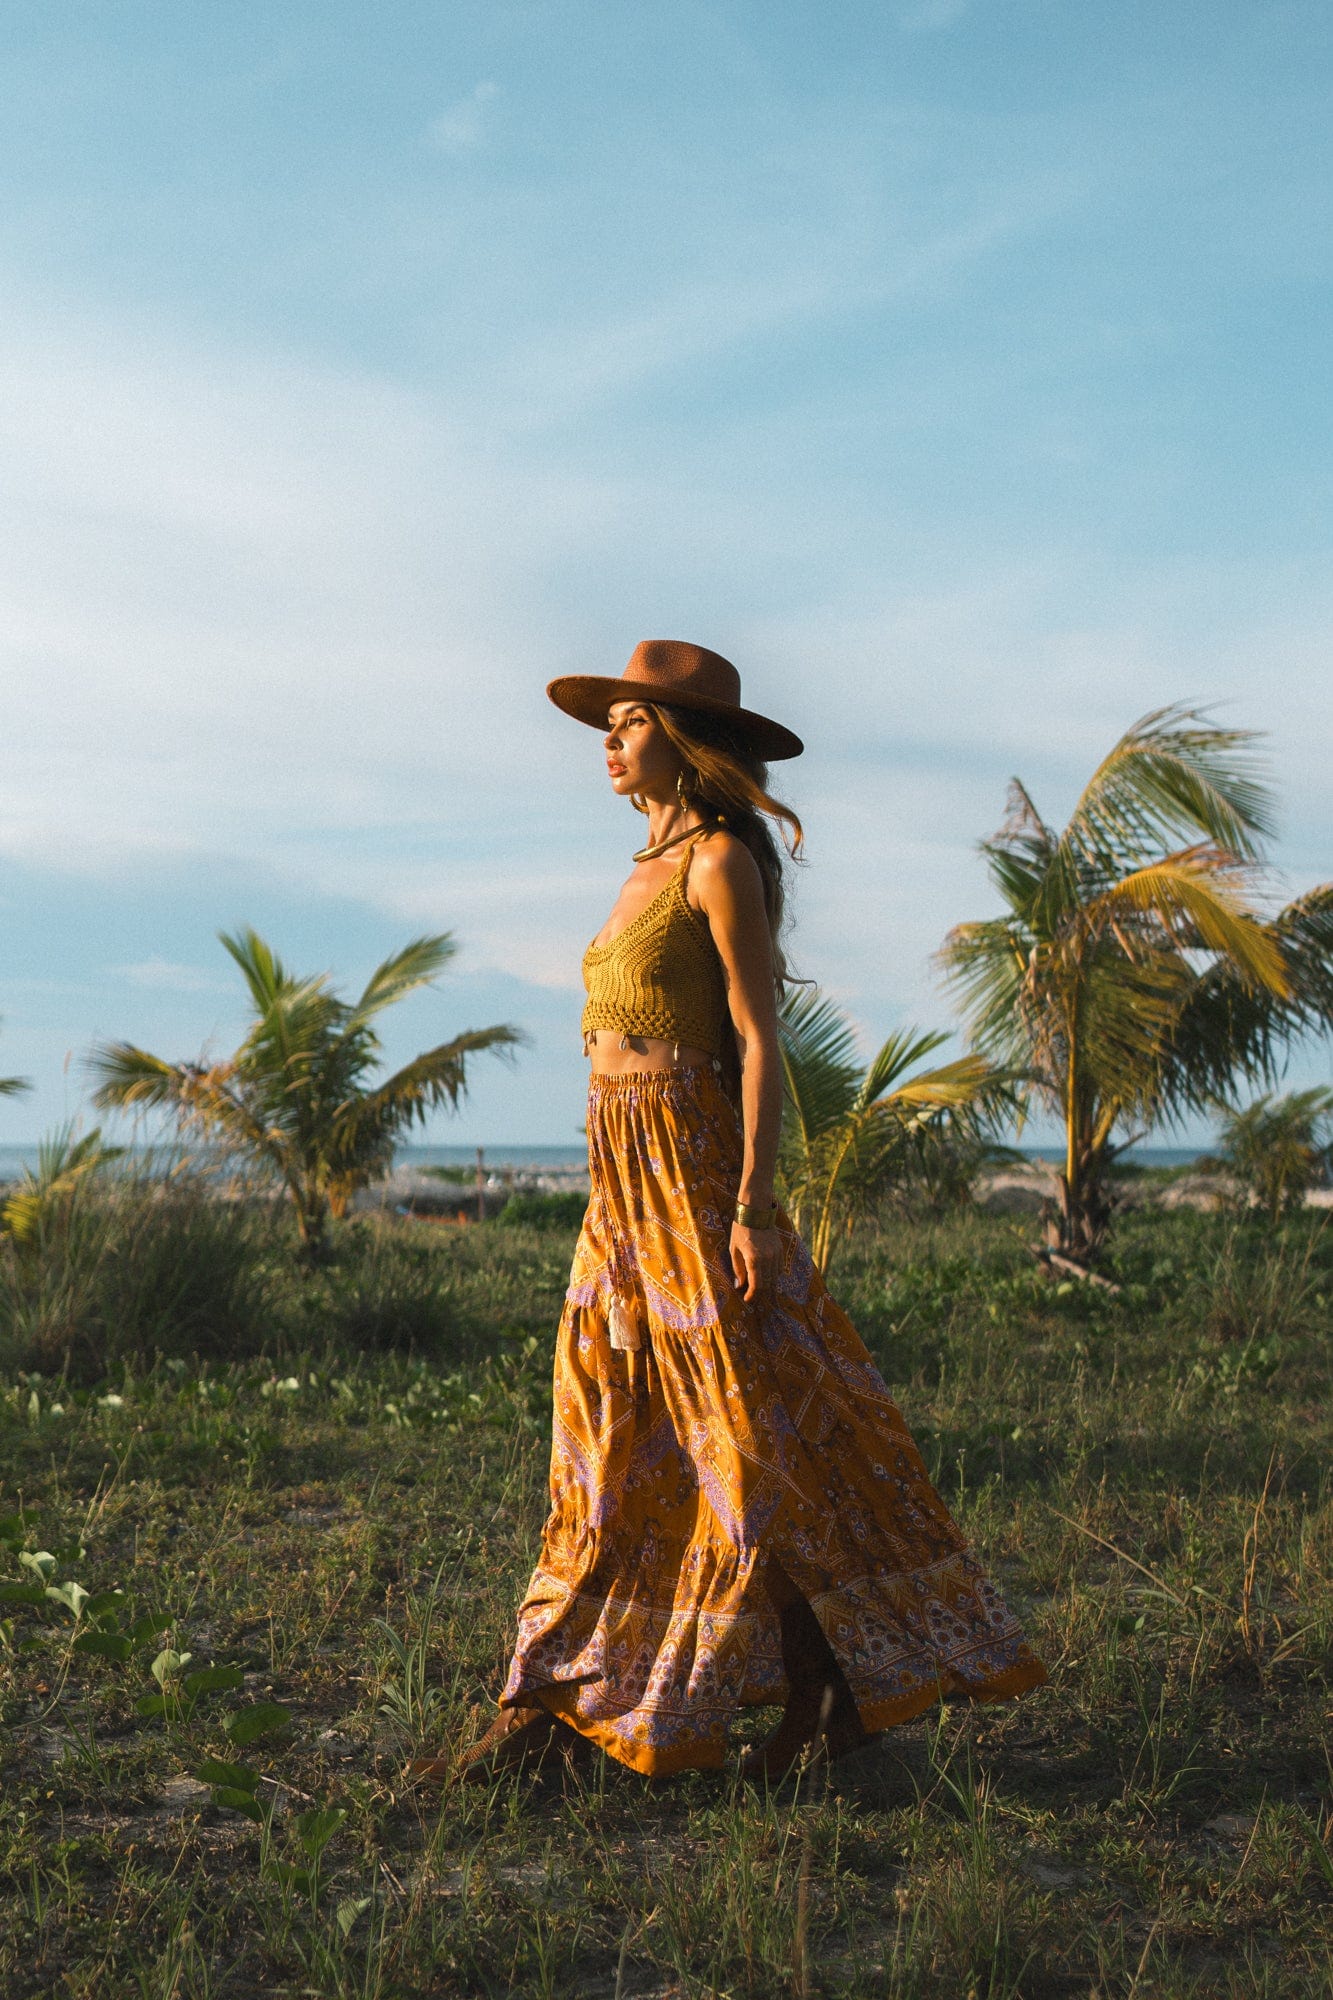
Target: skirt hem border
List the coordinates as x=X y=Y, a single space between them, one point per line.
x=561 y=1698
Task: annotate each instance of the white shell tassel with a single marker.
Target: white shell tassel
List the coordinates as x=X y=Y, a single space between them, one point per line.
x=625 y=1336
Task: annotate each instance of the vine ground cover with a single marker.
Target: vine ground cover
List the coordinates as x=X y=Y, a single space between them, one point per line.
x=239 y=1594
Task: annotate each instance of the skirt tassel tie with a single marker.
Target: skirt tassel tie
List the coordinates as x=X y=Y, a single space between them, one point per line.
x=626 y=1336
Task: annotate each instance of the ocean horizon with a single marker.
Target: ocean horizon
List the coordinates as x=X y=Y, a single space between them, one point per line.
x=500 y=1157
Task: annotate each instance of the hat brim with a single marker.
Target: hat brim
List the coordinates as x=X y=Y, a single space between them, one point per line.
x=588 y=698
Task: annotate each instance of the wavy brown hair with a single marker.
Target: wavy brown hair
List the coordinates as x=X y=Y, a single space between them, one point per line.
x=728 y=784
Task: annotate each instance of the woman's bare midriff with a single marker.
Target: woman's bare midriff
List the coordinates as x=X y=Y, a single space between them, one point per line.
x=640 y=1053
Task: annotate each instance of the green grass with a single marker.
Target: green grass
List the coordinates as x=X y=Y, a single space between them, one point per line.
x=341 y=1497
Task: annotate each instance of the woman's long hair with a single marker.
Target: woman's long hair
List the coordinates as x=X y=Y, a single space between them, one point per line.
x=728 y=784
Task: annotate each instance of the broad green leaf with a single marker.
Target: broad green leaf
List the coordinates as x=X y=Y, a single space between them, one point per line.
x=12 y=1528
x=72 y=1595
x=350 y=1908
x=233 y=1799
x=211 y=1680
x=236 y=1777
x=291 y=1877
x=316 y=1829
x=41 y=1562
x=22 y=1593
x=263 y=1719
x=151 y=1704
x=147 y=1626
x=106 y=1646
x=168 y=1664
x=103 y=1601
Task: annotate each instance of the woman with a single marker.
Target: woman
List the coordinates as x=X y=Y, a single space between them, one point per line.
x=738 y=1513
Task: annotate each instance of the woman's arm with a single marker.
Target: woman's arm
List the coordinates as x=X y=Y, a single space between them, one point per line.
x=726 y=884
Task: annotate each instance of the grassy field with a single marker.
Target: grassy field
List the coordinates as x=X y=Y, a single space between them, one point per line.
x=327 y=1492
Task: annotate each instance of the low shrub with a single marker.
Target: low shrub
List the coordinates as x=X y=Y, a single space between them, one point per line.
x=544 y=1211
x=387 y=1289
x=132 y=1269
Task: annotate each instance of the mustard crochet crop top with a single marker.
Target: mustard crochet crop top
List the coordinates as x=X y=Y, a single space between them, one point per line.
x=661 y=976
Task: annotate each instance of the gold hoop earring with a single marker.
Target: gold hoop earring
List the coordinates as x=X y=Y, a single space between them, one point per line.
x=681 y=792
x=639 y=802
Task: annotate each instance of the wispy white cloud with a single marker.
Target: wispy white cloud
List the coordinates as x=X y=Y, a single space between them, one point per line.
x=858 y=241
x=166 y=976
x=462 y=127
x=305 y=617
x=931 y=405
x=246 y=600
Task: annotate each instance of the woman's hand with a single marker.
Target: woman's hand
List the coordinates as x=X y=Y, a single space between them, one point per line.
x=756 y=1255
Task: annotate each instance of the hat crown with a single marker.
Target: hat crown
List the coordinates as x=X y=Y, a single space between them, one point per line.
x=675 y=665
x=675 y=674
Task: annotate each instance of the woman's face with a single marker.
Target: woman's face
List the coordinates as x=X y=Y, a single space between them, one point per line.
x=640 y=756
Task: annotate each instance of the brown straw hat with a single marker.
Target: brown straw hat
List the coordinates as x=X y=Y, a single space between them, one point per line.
x=676 y=675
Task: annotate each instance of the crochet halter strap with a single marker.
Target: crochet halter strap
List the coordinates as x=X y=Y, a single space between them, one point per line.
x=661 y=976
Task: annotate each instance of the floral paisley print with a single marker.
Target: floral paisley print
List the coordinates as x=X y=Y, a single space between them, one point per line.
x=732 y=1433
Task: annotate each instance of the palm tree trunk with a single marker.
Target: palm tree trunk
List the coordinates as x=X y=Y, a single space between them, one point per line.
x=820 y=1240
x=312 y=1226
x=1085 y=1213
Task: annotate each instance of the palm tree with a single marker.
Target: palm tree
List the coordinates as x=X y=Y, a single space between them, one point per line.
x=848 y=1131
x=64 y=1166
x=1132 y=976
x=300 y=1096
x=1277 y=1147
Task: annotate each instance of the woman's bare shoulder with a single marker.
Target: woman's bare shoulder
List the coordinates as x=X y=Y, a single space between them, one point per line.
x=722 y=861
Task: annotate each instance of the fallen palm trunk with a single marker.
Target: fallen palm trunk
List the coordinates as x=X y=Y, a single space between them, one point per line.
x=1058 y=1262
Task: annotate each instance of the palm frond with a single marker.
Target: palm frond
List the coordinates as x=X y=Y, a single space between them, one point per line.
x=818 y=1048
x=847 y=1133
x=435 y=1078
x=1232 y=1032
x=1173 y=773
x=1189 y=894
x=261 y=969
x=292 y=1016
x=987 y=964
x=61 y=1156
x=129 y=1078
x=892 y=1061
x=416 y=965
x=64 y=1164
x=1304 y=931
x=950 y=1087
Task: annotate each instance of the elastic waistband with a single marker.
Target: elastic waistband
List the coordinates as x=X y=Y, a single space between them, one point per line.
x=602 y=1083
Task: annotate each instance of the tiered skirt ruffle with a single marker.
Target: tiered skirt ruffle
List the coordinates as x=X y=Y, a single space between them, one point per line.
x=734 y=1433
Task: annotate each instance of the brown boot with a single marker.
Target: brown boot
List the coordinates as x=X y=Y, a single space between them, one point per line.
x=820 y=1717
x=517 y=1740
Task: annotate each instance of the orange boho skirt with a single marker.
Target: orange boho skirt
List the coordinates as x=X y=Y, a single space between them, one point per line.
x=732 y=1434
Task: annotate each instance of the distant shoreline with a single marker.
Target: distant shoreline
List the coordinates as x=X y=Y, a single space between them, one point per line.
x=498 y=1158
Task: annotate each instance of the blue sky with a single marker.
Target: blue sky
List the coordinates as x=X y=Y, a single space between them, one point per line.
x=960 y=370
